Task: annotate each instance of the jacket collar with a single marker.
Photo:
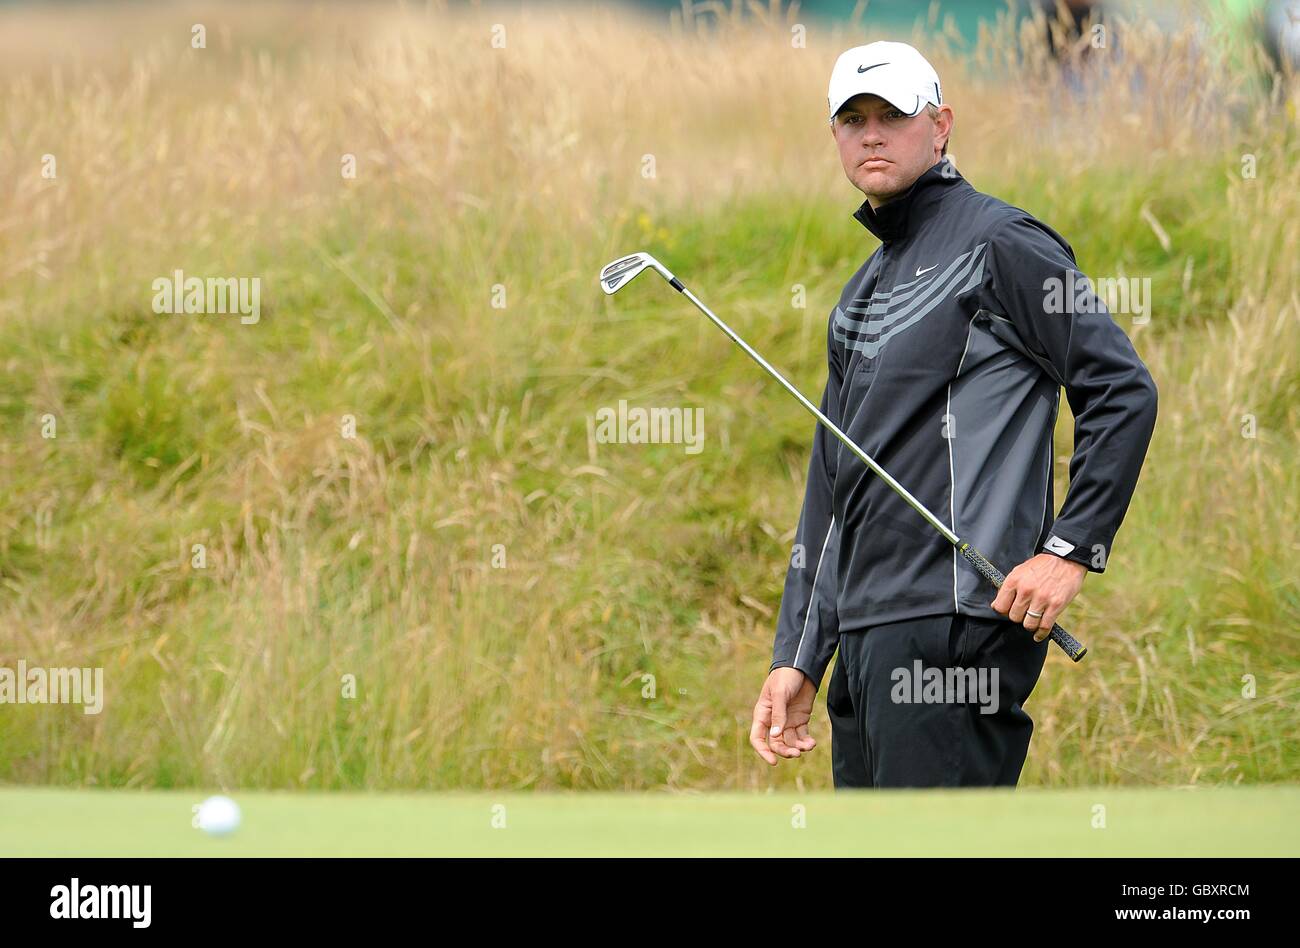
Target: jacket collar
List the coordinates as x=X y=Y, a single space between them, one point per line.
x=901 y=216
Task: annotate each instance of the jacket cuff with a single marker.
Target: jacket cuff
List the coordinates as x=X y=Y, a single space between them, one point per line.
x=1093 y=556
x=815 y=678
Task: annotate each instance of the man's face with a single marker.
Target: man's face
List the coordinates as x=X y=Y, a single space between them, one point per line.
x=884 y=150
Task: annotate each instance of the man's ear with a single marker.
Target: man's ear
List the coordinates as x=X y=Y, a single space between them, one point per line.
x=943 y=124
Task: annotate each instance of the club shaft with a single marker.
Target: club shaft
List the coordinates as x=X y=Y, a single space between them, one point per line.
x=830 y=425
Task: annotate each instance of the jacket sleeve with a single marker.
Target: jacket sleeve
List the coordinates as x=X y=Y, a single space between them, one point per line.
x=807 y=628
x=1070 y=333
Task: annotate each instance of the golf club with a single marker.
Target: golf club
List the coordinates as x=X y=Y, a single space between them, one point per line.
x=622 y=271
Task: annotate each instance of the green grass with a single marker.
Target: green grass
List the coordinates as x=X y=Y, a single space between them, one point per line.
x=625 y=641
x=1106 y=821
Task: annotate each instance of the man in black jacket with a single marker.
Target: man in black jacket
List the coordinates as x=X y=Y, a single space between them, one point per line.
x=947 y=354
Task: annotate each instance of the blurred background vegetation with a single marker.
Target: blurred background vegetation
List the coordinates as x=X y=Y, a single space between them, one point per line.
x=500 y=584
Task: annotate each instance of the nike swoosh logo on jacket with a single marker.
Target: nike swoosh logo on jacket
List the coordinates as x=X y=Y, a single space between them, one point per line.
x=952 y=382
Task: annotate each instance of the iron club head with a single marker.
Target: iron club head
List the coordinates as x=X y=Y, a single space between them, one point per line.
x=624 y=270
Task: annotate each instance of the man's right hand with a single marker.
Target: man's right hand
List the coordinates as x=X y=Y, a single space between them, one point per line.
x=781 y=716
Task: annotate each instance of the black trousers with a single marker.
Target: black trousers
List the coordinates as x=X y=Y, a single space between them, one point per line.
x=900 y=716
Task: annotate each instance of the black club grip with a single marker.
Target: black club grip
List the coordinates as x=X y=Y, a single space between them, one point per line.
x=1068 y=642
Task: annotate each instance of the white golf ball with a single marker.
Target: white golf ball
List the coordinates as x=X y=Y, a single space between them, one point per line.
x=218 y=816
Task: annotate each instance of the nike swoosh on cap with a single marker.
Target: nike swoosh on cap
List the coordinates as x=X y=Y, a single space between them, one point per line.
x=869 y=68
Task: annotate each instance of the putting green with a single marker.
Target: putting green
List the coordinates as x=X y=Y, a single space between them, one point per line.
x=1246 y=821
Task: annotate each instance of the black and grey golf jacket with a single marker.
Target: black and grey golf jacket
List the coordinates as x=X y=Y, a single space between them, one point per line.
x=947 y=353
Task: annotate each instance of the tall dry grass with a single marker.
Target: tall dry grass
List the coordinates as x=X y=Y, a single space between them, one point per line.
x=379 y=556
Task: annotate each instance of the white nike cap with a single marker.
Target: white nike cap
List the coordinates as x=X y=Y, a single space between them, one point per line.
x=894 y=71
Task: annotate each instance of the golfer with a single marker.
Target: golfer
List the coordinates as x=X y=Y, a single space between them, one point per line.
x=946 y=354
